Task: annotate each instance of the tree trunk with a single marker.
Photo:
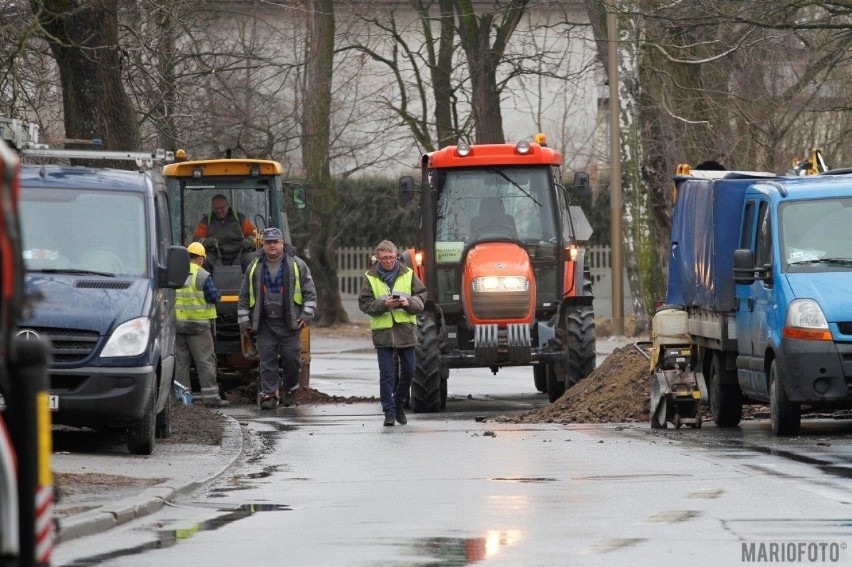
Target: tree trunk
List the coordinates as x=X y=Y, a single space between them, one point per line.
x=483 y=58
x=83 y=37
x=442 y=78
x=316 y=135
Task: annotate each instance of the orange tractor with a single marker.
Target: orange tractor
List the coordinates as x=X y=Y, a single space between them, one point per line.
x=499 y=249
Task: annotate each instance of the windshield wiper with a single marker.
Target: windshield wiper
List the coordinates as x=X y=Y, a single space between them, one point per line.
x=512 y=181
x=840 y=261
x=73 y=271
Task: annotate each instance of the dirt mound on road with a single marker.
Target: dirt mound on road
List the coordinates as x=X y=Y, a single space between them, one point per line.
x=617 y=391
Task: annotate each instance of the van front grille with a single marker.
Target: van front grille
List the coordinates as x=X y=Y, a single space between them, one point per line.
x=66 y=345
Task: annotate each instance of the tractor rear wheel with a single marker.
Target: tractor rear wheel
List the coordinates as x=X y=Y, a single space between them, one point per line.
x=555 y=387
x=426 y=387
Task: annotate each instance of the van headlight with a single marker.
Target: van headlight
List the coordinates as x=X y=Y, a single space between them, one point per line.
x=129 y=339
x=805 y=320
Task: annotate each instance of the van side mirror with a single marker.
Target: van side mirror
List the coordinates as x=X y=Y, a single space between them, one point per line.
x=581 y=186
x=406 y=189
x=177 y=267
x=745 y=272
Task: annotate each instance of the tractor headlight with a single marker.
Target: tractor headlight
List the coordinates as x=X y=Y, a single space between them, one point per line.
x=500 y=283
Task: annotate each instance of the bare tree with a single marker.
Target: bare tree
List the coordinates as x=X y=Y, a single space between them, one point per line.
x=483 y=57
x=316 y=130
x=84 y=40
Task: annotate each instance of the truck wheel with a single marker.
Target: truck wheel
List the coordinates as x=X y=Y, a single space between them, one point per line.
x=555 y=388
x=581 y=343
x=726 y=401
x=141 y=435
x=426 y=385
x=540 y=377
x=786 y=416
x=164 y=418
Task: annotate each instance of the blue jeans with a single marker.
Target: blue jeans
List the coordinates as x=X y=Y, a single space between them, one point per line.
x=386 y=376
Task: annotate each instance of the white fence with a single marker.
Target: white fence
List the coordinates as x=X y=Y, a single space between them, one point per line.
x=353 y=262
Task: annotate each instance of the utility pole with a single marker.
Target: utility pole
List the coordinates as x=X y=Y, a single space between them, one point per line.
x=615 y=204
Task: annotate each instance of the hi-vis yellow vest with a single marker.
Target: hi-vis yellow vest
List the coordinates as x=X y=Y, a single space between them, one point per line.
x=297 y=292
x=380 y=288
x=190 y=304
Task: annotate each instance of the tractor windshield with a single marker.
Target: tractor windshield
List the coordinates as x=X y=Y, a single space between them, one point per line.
x=493 y=203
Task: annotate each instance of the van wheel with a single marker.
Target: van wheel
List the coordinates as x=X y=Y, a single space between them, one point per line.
x=141 y=435
x=164 y=418
x=786 y=416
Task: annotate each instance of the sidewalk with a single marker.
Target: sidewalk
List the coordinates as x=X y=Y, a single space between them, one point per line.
x=175 y=468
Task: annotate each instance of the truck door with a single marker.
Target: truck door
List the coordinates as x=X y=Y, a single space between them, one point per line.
x=755 y=309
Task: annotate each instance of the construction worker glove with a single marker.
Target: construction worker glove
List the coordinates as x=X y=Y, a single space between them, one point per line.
x=248 y=243
x=210 y=243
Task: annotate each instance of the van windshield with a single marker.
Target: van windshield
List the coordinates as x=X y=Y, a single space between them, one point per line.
x=815 y=234
x=85 y=231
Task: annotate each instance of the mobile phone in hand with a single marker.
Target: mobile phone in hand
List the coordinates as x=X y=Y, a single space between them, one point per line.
x=395 y=296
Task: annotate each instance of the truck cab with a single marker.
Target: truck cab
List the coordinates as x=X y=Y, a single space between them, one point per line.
x=793 y=271
x=761 y=264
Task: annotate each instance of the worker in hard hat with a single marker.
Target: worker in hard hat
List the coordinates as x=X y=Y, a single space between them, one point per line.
x=195 y=305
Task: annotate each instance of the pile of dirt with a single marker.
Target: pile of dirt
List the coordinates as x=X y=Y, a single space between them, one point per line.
x=247 y=395
x=196 y=424
x=617 y=391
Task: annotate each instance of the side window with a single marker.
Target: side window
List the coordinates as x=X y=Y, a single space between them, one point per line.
x=763 y=243
x=164 y=225
x=748 y=225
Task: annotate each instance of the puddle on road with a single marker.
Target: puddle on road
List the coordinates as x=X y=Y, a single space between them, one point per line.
x=523 y=479
x=464 y=551
x=168 y=538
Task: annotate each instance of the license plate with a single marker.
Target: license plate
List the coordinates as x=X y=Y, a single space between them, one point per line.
x=53 y=403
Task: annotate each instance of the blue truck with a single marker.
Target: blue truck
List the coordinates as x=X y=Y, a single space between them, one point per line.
x=762 y=266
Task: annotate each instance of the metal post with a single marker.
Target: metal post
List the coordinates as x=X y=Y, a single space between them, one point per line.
x=30 y=429
x=615 y=204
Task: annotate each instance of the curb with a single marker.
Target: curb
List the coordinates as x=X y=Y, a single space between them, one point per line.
x=150 y=500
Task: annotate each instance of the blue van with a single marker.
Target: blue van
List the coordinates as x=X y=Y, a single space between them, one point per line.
x=101 y=272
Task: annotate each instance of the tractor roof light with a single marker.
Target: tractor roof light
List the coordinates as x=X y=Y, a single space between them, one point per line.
x=541 y=139
x=197 y=171
x=523 y=147
x=255 y=170
x=463 y=149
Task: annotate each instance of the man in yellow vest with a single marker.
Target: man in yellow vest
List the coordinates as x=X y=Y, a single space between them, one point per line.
x=277 y=299
x=392 y=296
x=195 y=305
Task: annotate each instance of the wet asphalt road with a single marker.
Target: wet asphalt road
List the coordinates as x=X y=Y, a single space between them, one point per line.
x=328 y=485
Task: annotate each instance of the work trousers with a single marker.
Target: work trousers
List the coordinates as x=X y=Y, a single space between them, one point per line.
x=277 y=342
x=387 y=376
x=198 y=347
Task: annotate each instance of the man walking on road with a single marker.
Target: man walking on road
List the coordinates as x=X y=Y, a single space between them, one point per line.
x=277 y=299
x=392 y=296
x=195 y=307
